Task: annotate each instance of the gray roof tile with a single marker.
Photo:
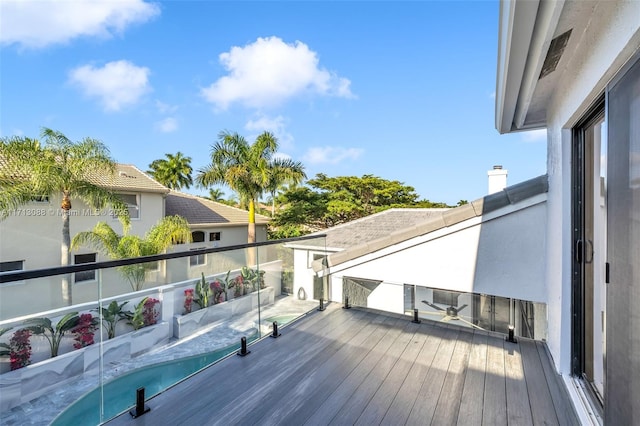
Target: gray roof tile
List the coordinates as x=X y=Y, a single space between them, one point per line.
x=200 y=211
x=375 y=232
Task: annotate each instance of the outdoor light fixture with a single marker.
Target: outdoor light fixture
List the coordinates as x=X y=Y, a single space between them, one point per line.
x=511 y=337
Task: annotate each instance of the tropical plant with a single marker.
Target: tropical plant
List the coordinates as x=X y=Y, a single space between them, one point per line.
x=44 y=326
x=203 y=293
x=173 y=172
x=62 y=168
x=145 y=313
x=112 y=315
x=5 y=349
x=169 y=230
x=84 y=332
x=249 y=169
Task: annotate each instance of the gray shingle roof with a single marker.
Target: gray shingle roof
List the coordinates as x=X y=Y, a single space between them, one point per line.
x=200 y=211
x=375 y=226
x=403 y=224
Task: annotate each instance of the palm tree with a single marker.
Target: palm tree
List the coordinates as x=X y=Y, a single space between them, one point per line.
x=170 y=230
x=173 y=172
x=59 y=167
x=248 y=169
x=216 y=194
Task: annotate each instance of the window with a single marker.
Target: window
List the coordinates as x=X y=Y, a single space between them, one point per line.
x=41 y=199
x=79 y=259
x=197 y=236
x=214 y=236
x=131 y=200
x=198 y=259
x=14 y=265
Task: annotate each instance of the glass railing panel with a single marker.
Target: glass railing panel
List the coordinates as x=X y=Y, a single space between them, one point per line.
x=152 y=324
x=471 y=310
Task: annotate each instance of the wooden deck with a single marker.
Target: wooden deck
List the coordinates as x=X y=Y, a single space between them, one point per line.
x=345 y=367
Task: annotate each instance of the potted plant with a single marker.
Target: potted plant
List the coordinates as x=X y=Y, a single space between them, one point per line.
x=203 y=293
x=54 y=335
x=112 y=315
x=145 y=313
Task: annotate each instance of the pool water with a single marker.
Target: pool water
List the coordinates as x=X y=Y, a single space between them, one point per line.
x=119 y=394
x=282 y=319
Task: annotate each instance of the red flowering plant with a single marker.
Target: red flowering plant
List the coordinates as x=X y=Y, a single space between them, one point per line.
x=145 y=314
x=218 y=292
x=188 y=300
x=84 y=332
x=239 y=286
x=20 y=349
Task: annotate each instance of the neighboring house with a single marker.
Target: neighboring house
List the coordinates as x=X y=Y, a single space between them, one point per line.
x=30 y=238
x=573 y=67
x=476 y=257
x=212 y=224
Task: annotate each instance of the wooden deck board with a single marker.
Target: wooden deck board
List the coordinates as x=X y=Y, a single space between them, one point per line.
x=559 y=395
x=304 y=397
x=518 y=408
x=360 y=366
x=425 y=406
x=451 y=396
x=404 y=400
x=542 y=409
x=345 y=394
x=495 y=394
x=377 y=407
x=471 y=403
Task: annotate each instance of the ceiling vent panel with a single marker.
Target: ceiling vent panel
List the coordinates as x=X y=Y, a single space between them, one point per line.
x=556 y=49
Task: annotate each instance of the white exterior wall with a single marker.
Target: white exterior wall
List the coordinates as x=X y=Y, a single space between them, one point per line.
x=500 y=255
x=609 y=42
x=34 y=232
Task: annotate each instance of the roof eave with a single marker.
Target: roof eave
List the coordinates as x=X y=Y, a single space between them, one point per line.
x=526 y=28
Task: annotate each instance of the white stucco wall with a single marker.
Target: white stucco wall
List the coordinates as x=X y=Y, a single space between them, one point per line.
x=501 y=255
x=610 y=40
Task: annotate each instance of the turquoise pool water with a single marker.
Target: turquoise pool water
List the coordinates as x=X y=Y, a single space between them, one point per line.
x=120 y=393
x=281 y=319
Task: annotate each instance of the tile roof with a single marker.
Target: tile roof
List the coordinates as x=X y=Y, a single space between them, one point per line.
x=200 y=211
x=126 y=178
x=129 y=178
x=375 y=226
x=359 y=237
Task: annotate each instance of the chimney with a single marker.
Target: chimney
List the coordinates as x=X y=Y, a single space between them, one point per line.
x=497 y=179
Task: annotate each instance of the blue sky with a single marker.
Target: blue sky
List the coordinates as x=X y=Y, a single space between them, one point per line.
x=401 y=90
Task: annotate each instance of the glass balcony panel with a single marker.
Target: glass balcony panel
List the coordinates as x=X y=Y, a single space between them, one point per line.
x=152 y=324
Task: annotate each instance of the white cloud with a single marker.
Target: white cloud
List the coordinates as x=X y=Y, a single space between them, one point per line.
x=167 y=125
x=276 y=125
x=268 y=72
x=116 y=85
x=539 y=135
x=41 y=23
x=165 y=108
x=331 y=154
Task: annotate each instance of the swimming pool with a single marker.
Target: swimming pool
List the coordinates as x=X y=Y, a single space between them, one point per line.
x=119 y=394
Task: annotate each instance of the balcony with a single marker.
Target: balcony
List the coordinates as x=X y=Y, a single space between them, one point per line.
x=360 y=366
x=340 y=366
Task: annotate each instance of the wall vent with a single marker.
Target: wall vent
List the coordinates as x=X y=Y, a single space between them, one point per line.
x=556 y=49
